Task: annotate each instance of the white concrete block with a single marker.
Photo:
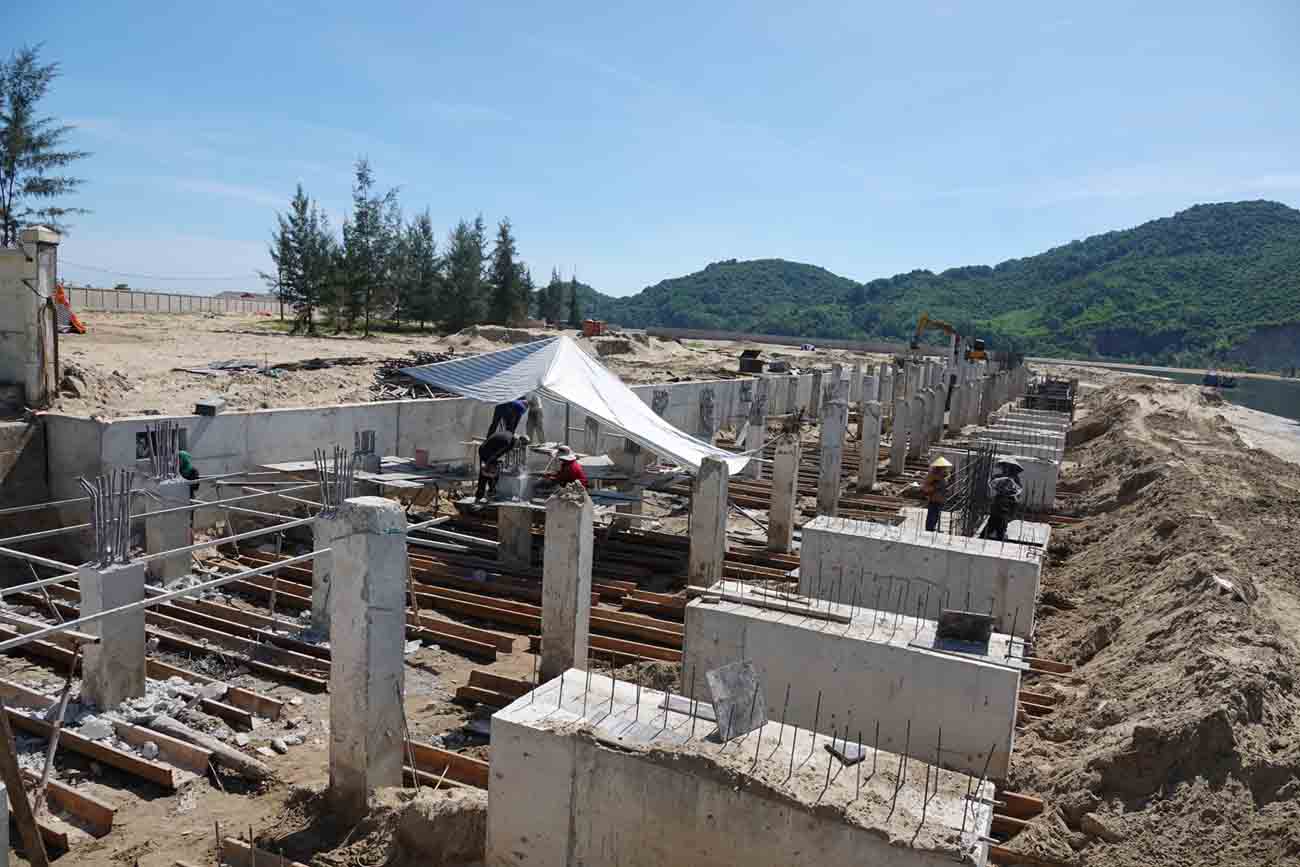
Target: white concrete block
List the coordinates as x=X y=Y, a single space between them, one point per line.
x=168 y=532
x=840 y=557
x=625 y=784
x=708 y=522
x=879 y=667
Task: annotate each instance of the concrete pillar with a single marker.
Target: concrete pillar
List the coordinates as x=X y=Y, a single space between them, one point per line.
x=785 y=494
x=815 y=399
x=869 y=459
x=834 y=423
x=986 y=399
x=870 y=386
x=887 y=391
x=916 y=426
x=855 y=383
x=898 y=445
x=792 y=395
x=168 y=532
x=957 y=407
x=28 y=275
x=940 y=400
x=515 y=536
x=325 y=530
x=566 y=581
x=708 y=523
x=911 y=380
x=757 y=431
x=591 y=436
x=113 y=669
x=367 y=637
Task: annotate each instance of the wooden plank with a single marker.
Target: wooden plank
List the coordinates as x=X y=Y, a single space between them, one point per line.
x=472 y=695
x=1037 y=664
x=244 y=699
x=143 y=768
x=503 y=643
x=1035 y=710
x=176 y=752
x=1020 y=806
x=508 y=685
x=273 y=672
x=251 y=649
x=454 y=642
x=1038 y=697
x=1008 y=825
x=97 y=815
x=600 y=646
x=238 y=853
x=462 y=769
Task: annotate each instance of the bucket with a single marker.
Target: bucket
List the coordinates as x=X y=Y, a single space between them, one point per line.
x=421 y=457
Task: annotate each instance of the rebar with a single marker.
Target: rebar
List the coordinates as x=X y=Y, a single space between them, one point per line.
x=110 y=501
x=335 y=475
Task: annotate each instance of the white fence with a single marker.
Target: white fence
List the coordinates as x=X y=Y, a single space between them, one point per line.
x=163 y=302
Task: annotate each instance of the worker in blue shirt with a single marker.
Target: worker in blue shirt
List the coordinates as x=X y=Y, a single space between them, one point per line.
x=507 y=415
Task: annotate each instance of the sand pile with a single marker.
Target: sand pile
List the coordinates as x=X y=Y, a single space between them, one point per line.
x=1178 y=599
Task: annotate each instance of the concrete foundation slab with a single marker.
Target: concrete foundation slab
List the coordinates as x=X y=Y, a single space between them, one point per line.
x=588 y=772
x=919 y=573
x=878 y=667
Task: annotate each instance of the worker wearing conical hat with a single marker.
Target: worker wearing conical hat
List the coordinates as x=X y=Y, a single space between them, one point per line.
x=935 y=488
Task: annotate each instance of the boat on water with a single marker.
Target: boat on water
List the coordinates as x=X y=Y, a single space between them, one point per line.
x=1214 y=379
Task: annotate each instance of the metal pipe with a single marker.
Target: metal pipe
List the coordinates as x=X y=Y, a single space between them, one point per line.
x=45 y=534
x=39 y=561
x=238 y=537
x=155 y=600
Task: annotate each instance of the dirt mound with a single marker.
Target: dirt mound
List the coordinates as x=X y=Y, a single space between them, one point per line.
x=499 y=334
x=1178 y=601
x=402 y=829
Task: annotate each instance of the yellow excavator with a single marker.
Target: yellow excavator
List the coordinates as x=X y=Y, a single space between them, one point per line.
x=976 y=351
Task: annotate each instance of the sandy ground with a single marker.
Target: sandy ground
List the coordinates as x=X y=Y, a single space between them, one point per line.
x=127 y=363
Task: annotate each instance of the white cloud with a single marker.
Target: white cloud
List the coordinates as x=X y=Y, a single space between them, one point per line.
x=220 y=189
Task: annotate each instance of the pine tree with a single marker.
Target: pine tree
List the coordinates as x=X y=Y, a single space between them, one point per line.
x=367 y=239
x=422 y=270
x=526 y=292
x=463 y=291
x=29 y=148
x=301 y=249
x=504 y=278
x=552 y=302
x=575 y=315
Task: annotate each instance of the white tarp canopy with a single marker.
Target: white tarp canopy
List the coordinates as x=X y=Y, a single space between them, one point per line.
x=558 y=368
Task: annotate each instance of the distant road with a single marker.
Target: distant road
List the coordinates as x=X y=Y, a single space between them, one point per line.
x=1198 y=371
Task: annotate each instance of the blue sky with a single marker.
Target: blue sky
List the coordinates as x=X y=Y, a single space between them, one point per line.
x=639 y=141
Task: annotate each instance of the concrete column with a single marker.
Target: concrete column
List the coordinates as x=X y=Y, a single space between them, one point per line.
x=168 y=532
x=887 y=390
x=911 y=380
x=792 y=395
x=870 y=389
x=367 y=637
x=113 y=669
x=834 y=423
x=986 y=399
x=515 y=536
x=898 y=445
x=815 y=399
x=708 y=522
x=566 y=581
x=940 y=400
x=916 y=426
x=869 y=459
x=785 y=494
x=757 y=430
x=855 y=383
x=957 y=408
x=28 y=275
x=591 y=436
x=325 y=530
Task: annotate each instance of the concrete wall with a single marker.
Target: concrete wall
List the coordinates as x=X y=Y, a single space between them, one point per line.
x=1040 y=476
x=242 y=440
x=919 y=573
x=163 y=302
x=877 y=668
x=629 y=786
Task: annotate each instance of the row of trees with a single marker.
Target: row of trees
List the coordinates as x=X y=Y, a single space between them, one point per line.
x=386 y=267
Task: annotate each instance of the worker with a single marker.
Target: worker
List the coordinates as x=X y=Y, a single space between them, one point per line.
x=569 y=470
x=1006 y=491
x=490 y=453
x=935 y=488
x=507 y=415
x=189 y=473
x=536 y=423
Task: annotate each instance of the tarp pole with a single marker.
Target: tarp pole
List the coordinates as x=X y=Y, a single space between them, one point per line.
x=566 y=422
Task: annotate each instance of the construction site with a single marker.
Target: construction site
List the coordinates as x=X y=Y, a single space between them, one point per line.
x=1061 y=603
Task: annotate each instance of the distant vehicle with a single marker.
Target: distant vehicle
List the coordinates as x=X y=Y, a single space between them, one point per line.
x=975 y=348
x=1214 y=379
x=122 y=287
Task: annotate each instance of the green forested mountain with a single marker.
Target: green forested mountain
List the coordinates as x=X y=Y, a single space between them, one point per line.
x=1214 y=284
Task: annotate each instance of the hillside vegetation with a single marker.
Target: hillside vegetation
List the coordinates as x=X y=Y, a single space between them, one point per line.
x=1212 y=284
